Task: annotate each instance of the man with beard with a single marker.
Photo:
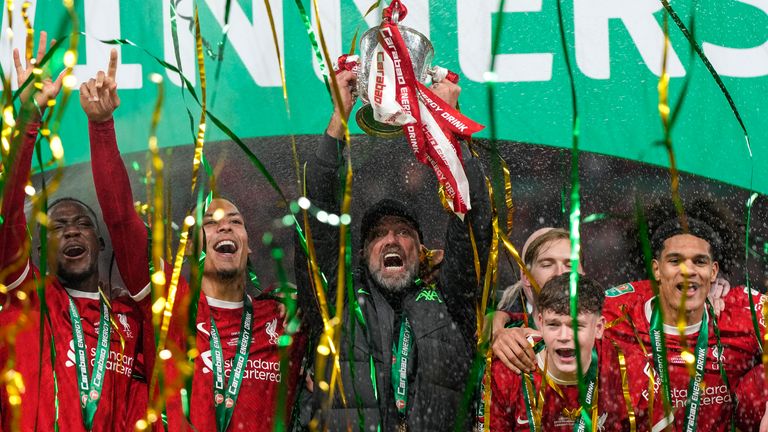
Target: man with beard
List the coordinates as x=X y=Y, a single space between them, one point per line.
x=406 y=346
x=233 y=327
x=70 y=349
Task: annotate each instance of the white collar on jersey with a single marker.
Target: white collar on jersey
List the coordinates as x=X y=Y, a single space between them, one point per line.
x=540 y=357
x=82 y=294
x=223 y=304
x=670 y=329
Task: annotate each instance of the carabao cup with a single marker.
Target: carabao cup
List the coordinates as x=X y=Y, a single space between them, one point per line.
x=422 y=54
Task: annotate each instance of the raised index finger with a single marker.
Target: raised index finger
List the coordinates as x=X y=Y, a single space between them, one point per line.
x=41 y=46
x=112 y=68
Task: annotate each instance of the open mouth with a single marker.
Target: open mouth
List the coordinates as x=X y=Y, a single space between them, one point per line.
x=393 y=261
x=225 y=247
x=566 y=353
x=74 y=251
x=690 y=286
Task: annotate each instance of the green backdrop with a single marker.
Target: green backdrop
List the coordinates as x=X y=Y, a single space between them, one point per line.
x=615 y=47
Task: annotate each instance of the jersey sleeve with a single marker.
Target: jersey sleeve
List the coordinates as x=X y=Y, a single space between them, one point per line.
x=506 y=390
x=752 y=394
x=113 y=189
x=14 y=247
x=739 y=310
x=458 y=278
x=621 y=296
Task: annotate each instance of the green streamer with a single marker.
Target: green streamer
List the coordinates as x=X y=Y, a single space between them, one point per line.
x=689 y=36
x=221 y=45
x=40 y=282
x=497 y=175
x=594 y=217
x=173 y=18
x=285 y=340
x=575 y=216
x=674 y=114
x=313 y=43
x=354 y=307
x=663 y=365
x=752 y=311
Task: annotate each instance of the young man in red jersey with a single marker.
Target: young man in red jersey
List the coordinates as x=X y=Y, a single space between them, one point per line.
x=546 y=254
x=237 y=334
x=548 y=398
x=77 y=369
x=723 y=349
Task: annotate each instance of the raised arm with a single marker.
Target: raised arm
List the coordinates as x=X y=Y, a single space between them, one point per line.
x=458 y=278
x=13 y=232
x=323 y=190
x=99 y=99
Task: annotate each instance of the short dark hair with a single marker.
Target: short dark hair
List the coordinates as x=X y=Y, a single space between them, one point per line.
x=696 y=228
x=555 y=295
x=534 y=249
x=75 y=200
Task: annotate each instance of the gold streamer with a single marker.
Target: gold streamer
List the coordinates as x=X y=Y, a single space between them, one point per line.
x=200 y=141
x=764 y=302
x=664 y=111
x=327 y=345
x=163 y=307
x=152 y=412
x=281 y=65
x=334 y=82
x=508 y=195
x=12 y=130
x=30 y=39
x=158 y=275
x=334 y=332
x=516 y=256
x=651 y=377
x=625 y=389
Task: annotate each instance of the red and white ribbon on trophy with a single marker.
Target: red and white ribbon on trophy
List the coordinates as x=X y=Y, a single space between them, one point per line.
x=431 y=126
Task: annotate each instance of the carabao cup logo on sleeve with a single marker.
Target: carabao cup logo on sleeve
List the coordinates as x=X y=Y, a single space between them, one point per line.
x=620 y=290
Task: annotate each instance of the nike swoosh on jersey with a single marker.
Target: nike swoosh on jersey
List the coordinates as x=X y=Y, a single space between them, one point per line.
x=522 y=421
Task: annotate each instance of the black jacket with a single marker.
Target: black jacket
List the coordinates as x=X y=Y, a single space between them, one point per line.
x=443 y=323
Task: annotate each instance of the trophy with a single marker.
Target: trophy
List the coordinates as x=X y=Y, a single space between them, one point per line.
x=393 y=70
x=421 y=53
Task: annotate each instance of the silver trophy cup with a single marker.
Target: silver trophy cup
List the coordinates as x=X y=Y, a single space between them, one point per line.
x=421 y=52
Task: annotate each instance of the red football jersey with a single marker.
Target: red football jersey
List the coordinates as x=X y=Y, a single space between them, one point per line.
x=257 y=402
x=740 y=348
x=38 y=402
x=508 y=412
x=752 y=393
x=32 y=357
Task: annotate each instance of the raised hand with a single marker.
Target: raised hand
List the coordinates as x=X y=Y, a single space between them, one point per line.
x=720 y=288
x=346 y=80
x=49 y=89
x=447 y=91
x=98 y=96
x=513 y=348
